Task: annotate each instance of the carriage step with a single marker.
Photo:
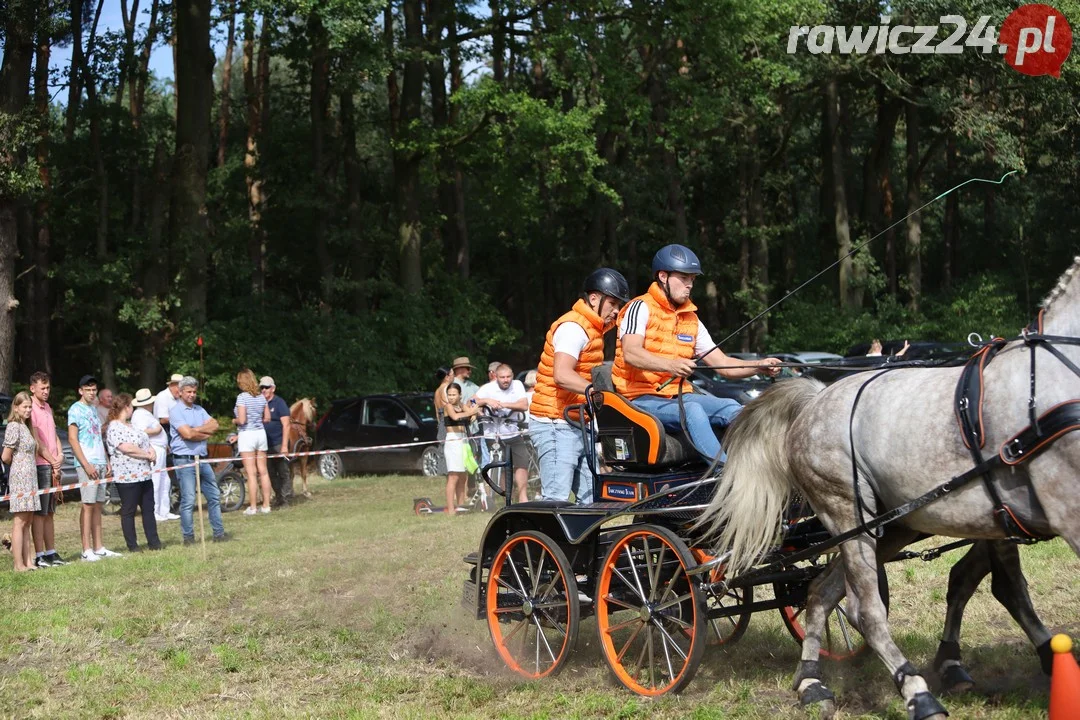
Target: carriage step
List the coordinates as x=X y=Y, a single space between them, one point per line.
x=472 y=558
x=469 y=599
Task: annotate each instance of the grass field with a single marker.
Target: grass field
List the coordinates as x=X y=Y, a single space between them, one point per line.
x=349 y=606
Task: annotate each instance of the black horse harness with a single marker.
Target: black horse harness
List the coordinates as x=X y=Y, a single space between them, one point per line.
x=1041 y=431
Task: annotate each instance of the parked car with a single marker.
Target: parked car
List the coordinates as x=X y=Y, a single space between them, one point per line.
x=919 y=350
x=812 y=357
x=376 y=420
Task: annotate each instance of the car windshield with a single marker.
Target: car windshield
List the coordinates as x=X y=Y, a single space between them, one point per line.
x=423 y=406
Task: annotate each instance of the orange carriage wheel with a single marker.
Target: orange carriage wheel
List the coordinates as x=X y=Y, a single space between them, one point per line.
x=532 y=605
x=650 y=613
x=724 y=630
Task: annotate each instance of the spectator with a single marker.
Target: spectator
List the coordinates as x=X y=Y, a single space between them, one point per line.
x=504 y=398
x=144 y=420
x=18 y=454
x=250 y=412
x=902 y=351
x=277 y=440
x=132 y=463
x=493 y=367
x=457 y=423
x=165 y=400
x=875 y=348
x=462 y=370
x=661 y=340
x=84 y=435
x=49 y=459
x=104 y=404
x=443 y=377
x=530 y=385
x=191 y=426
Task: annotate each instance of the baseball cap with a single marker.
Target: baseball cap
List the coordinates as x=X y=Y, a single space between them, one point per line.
x=266 y=381
x=175 y=378
x=87 y=380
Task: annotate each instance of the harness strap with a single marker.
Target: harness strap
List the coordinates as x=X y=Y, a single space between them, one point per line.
x=860 y=506
x=1061 y=419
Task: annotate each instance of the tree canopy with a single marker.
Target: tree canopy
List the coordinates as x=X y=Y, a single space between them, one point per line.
x=353 y=192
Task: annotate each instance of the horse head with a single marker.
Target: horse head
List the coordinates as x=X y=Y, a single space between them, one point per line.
x=302 y=412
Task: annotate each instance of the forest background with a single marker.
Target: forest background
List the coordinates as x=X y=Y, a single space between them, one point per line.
x=345 y=194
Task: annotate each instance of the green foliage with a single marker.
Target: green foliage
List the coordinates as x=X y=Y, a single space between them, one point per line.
x=334 y=354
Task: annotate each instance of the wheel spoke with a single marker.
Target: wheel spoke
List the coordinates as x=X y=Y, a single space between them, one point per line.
x=507 y=586
x=666 y=637
x=513 y=569
x=555 y=623
x=547 y=645
x=633 y=636
x=652 y=655
x=515 y=631
x=664 y=647
x=529 y=567
x=619 y=626
x=842 y=621
x=622 y=603
x=674 y=601
x=634 y=587
x=637 y=579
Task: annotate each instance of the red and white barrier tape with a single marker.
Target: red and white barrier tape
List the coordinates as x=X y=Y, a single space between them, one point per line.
x=211 y=461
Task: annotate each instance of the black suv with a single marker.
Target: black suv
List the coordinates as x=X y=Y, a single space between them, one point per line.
x=376 y=420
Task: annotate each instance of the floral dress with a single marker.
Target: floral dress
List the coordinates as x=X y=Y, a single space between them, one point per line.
x=22 y=475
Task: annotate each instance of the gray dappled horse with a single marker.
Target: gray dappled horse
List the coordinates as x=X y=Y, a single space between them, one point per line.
x=795 y=438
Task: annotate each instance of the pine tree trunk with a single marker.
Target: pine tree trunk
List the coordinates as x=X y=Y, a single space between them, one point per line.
x=156 y=268
x=188 y=227
x=320 y=104
x=354 y=200
x=952 y=215
x=226 y=85
x=74 y=83
x=407 y=161
x=839 y=194
x=254 y=94
x=40 y=355
x=914 y=221
x=457 y=81
x=14 y=96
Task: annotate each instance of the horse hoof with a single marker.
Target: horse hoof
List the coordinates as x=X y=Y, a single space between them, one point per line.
x=955 y=680
x=307 y=493
x=818 y=701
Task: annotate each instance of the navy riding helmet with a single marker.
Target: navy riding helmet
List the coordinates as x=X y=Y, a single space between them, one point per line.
x=676 y=258
x=609 y=282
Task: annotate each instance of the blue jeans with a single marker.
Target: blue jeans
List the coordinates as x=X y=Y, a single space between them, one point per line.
x=703 y=413
x=210 y=491
x=563 y=466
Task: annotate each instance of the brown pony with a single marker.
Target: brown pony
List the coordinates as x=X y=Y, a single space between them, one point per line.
x=302 y=415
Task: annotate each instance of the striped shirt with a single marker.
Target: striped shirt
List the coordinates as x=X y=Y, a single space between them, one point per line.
x=253 y=406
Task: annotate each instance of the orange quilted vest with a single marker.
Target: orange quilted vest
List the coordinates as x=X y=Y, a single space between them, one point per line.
x=549 y=400
x=670 y=333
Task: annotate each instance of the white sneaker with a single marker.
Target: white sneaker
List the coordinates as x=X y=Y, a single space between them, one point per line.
x=107 y=553
x=90 y=556
x=250 y=511
x=172 y=516
x=161 y=518
x=265 y=510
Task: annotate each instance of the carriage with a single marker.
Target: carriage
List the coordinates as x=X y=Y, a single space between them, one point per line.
x=633 y=560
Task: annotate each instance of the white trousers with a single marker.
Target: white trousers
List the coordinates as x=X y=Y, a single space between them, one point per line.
x=162 y=484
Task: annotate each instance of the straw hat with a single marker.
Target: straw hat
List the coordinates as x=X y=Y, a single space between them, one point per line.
x=462 y=362
x=143 y=397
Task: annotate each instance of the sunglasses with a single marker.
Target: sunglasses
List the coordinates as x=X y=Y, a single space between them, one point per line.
x=266 y=387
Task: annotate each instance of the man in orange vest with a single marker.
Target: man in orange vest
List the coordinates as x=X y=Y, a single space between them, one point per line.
x=573 y=347
x=660 y=339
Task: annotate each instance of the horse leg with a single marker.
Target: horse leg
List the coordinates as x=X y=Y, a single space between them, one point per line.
x=1009 y=586
x=964 y=579
x=824 y=593
x=861 y=566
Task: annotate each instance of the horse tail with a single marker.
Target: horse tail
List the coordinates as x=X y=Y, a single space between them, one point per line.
x=756 y=484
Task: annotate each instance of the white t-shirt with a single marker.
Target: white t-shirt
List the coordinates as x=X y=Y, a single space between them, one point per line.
x=163 y=403
x=636 y=319
x=143 y=419
x=506 y=420
x=569 y=338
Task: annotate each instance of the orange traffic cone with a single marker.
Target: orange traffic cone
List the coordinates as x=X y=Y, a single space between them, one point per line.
x=1065 y=681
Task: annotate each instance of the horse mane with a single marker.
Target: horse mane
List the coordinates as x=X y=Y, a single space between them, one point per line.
x=303 y=409
x=1062 y=283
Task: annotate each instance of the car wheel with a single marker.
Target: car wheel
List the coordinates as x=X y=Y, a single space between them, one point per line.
x=112 y=500
x=233 y=490
x=330 y=466
x=433 y=462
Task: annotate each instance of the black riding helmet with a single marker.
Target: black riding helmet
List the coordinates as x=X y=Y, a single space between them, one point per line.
x=609 y=282
x=676 y=258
